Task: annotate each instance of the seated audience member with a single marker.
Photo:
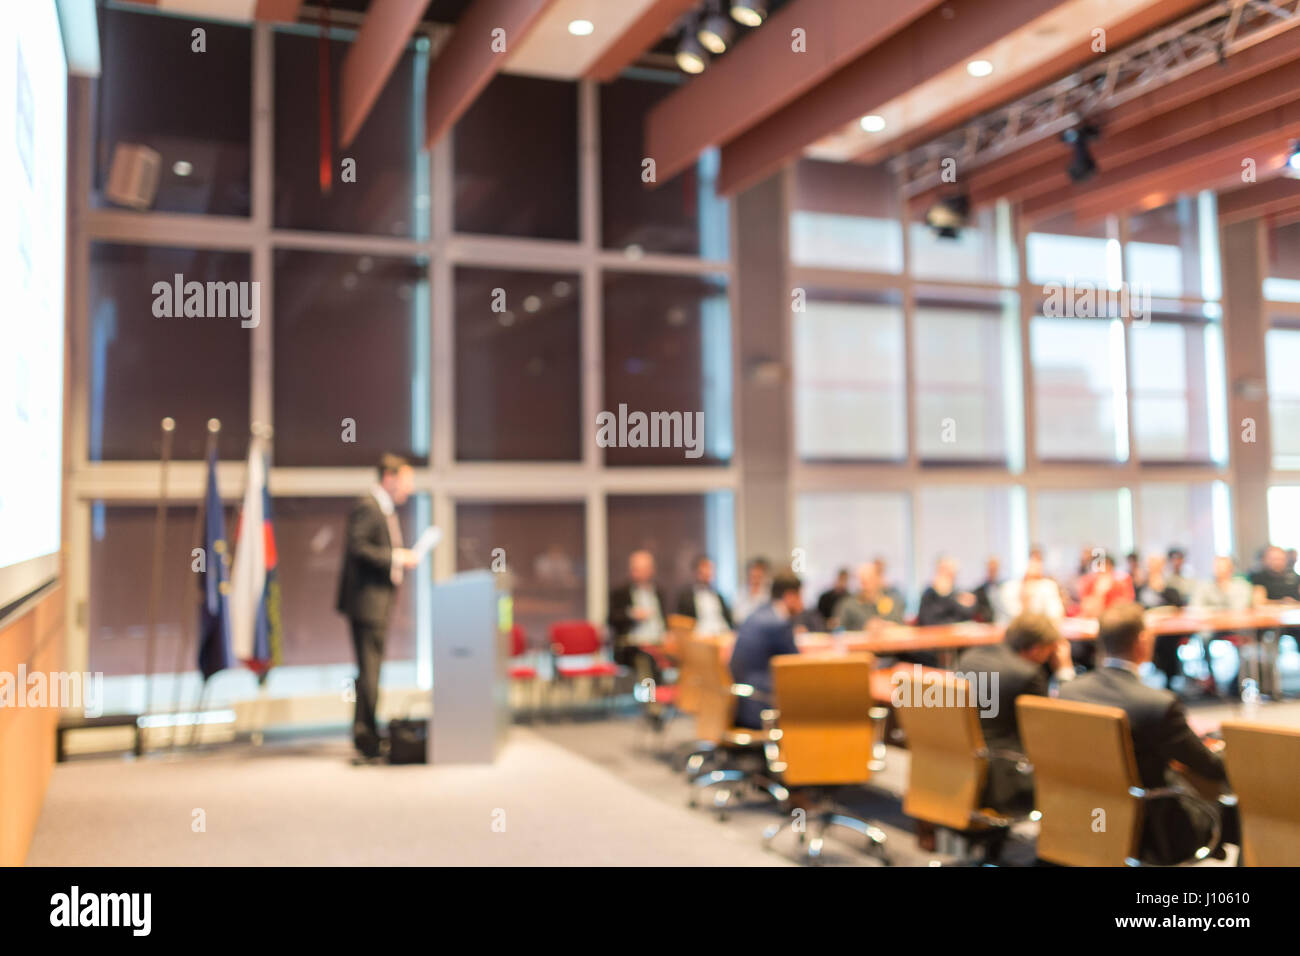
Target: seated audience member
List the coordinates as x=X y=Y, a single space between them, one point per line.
x=887 y=587
x=1158 y=723
x=870 y=603
x=1156 y=591
x=765 y=634
x=637 y=609
x=1035 y=593
x=1133 y=565
x=1226 y=591
x=1020 y=663
x=1274 y=582
x=1177 y=575
x=1104 y=588
x=941 y=602
x=757 y=585
x=832 y=596
x=703 y=602
x=1291 y=555
x=988 y=599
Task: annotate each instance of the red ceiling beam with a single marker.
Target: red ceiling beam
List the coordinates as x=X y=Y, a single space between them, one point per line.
x=1259 y=95
x=640 y=36
x=1277 y=196
x=999 y=178
x=1131 y=28
x=941 y=39
x=371 y=58
x=278 y=11
x=468 y=62
x=764 y=74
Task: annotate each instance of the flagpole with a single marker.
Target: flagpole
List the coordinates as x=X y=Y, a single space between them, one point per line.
x=182 y=645
x=262 y=431
x=155 y=581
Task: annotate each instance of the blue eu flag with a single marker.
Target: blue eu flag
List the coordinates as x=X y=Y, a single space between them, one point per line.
x=215 y=652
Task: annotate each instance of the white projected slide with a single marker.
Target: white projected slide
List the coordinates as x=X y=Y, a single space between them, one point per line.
x=33 y=162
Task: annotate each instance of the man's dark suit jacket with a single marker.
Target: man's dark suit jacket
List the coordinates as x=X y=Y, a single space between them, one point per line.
x=366 y=582
x=1006 y=790
x=686 y=605
x=763 y=636
x=1158 y=723
x=621 y=622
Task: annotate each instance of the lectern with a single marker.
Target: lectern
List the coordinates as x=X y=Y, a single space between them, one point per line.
x=470 y=691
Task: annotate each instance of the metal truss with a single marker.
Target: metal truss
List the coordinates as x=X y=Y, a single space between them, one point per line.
x=1197 y=41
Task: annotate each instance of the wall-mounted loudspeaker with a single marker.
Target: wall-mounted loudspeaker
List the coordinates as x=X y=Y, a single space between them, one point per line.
x=133 y=177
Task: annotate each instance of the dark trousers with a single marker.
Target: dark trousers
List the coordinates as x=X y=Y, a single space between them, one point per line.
x=368 y=643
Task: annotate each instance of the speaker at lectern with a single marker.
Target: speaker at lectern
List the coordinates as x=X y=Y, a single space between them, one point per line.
x=470 y=691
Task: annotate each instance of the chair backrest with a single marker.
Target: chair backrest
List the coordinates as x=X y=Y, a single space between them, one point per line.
x=680 y=628
x=688 y=681
x=1083 y=771
x=706 y=680
x=518 y=644
x=574 y=637
x=1263 y=763
x=943 y=739
x=825 y=704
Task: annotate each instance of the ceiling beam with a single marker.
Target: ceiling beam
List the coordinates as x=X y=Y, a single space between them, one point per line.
x=641 y=35
x=371 y=58
x=1279 y=195
x=467 y=63
x=998 y=179
x=940 y=39
x=764 y=73
x=278 y=11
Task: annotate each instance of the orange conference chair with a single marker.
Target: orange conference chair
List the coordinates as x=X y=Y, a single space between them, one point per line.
x=1263 y=766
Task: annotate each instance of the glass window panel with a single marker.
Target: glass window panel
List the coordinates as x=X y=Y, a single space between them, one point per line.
x=683 y=215
x=1282 y=354
x=518 y=371
x=351 y=342
x=984 y=251
x=1187 y=516
x=1079 y=389
x=965 y=356
x=1171 y=420
x=970 y=524
x=545 y=550
x=155 y=93
x=1283 y=281
x=144 y=367
x=1060 y=250
x=674 y=528
x=846 y=216
x=850 y=401
x=1168 y=249
x=1071 y=522
x=391 y=193
x=845 y=529
x=516 y=160
x=667 y=349
x=1284 y=516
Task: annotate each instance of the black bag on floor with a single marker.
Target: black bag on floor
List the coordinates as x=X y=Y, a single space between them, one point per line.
x=408 y=740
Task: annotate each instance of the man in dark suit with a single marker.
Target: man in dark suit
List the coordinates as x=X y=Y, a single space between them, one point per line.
x=1158 y=722
x=1019 y=664
x=637 y=610
x=373 y=565
x=702 y=601
x=765 y=634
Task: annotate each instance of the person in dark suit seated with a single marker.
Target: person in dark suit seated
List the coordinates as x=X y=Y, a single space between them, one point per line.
x=832 y=596
x=765 y=634
x=988 y=602
x=941 y=602
x=374 y=563
x=1173 y=830
x=1020 y=664
x=637 y=610
x=703 y=602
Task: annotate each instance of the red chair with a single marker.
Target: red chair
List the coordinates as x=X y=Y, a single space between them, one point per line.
x=518 y=648
x=523 y=674
x=580 y=639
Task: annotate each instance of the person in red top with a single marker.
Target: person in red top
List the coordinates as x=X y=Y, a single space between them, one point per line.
x=1104 y=588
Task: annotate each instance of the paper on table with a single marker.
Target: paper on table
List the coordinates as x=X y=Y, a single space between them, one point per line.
x=427 y=541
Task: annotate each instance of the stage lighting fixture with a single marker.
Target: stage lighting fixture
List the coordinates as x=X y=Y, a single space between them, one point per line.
x=691 y=55
x=748 y=13
x=949 y=216
x=1082 y=165
x=716 y=33
x=1293 y=161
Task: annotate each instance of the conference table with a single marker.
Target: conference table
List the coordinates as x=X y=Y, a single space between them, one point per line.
x=1262 y=625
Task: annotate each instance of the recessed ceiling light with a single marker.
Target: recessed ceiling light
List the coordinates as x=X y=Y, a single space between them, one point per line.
x=182 y=167
x=979 y=67
x=581 y=28
x=872 y=123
